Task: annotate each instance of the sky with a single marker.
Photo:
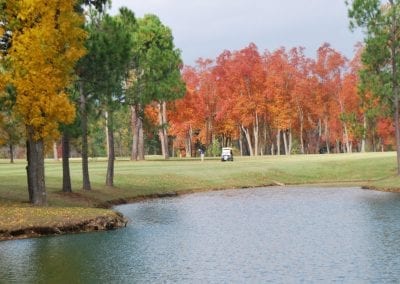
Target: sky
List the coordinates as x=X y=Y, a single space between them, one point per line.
x=205 y=28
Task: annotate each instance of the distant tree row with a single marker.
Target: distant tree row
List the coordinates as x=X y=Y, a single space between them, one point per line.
x=280 y=102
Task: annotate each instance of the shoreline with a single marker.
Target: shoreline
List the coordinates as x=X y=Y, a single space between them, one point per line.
x=98 y=224
x=117 y=220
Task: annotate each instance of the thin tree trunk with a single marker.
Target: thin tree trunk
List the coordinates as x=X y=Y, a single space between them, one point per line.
x=248 y=139
x=65 y=162
x=173 y=147
x=111 y=151
x=241 y=142
x=265 y=131
x=255 y=133
x=364 y=135
x=84 y=122
x=301 y=134
x=346 y=138
x=11 y=148
x=141 y=139
x=319 y=136
x=107 y=137
x=326 y=131
x=164 y=129
x=29 y=177
x=35 y=170
x=161 y=132
x=290 y=141
x=278 y=142
x=188 y=142
x=285 y=142
x=55 y=151
x=135 y=133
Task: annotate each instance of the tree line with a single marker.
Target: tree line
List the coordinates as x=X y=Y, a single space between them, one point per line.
x=279 y=102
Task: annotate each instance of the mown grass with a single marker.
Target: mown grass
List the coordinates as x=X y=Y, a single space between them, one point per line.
x=156 y=176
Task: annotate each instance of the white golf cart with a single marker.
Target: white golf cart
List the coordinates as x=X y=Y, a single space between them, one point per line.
x=227 y=154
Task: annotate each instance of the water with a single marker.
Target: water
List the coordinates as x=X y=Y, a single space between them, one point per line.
x=275 y=235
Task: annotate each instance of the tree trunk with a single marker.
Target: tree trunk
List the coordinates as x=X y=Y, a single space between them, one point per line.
x=278 y=142
x=346 y=138
x=301 y=134
x=162 y=131
x=165 y=129
x=189 y=142
x=248 y=139
x=326 y=131
x=173 y=147
x=319 y=137
x=55 y=151
x=255 y=133
x=66 y=187
x=137 y=152
x=107 y=137
x=84 y=122
x=141 y=139
x=11 y=147
x=35 y=170
x=285 y=142
x=364 y=135
x=111 y=150
x=135 y=133
x=241 y=142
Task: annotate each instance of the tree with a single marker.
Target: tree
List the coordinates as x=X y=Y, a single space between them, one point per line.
x=381 y=57
x=302 y=97
x=155 y=76
x=102 y=72
x=115 y=43
x=280 y=84
x=72 y=130
x=329 y=69
x=185 y=115
x=246 y=77
x=47 y=40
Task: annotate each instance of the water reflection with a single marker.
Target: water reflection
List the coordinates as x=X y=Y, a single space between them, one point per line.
x=275 y=235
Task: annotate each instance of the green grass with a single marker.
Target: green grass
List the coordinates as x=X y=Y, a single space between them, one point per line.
x=156 y=176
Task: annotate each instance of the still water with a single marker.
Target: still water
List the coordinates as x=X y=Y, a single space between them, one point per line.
x=276 y=235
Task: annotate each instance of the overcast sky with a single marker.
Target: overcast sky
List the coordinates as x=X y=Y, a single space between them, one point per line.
x=204 y=28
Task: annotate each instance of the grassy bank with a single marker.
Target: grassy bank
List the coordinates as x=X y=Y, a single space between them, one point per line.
x=157 y=177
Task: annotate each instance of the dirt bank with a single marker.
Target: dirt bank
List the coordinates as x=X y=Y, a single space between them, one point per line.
x=102 y=223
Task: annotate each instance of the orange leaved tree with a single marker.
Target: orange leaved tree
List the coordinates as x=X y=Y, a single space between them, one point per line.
x=47 y=40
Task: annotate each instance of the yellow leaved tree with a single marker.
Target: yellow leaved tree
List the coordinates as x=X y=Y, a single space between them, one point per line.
x=47 y=40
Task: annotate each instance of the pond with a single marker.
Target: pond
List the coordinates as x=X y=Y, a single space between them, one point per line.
x=276 y=234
